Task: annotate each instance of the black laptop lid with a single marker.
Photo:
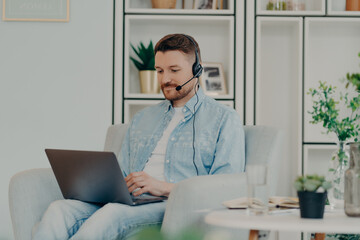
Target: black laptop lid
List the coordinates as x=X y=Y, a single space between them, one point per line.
x=89 y=176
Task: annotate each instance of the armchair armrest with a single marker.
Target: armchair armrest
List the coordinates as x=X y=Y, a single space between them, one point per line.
x=191 y=199
x=30 y=193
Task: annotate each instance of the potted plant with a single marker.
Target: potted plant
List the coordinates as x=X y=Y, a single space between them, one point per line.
x=312 y=193
x=326 y=110
x=145 y=63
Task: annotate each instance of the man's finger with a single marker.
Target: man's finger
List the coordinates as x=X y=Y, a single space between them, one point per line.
x=136 y=185
x=140 y=191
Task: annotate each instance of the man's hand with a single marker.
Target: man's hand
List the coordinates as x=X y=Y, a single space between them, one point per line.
x=147 y=184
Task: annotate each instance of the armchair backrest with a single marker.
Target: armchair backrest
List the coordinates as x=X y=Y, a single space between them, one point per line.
x=261 y=146
x=114 y=138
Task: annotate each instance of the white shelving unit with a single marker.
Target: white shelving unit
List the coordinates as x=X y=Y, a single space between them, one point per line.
x=219 y=32
x=293 y=51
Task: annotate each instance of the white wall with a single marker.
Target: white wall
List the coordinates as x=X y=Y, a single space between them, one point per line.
x=55 y=89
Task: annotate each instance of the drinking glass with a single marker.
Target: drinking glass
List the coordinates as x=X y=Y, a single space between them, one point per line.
x=258 y=197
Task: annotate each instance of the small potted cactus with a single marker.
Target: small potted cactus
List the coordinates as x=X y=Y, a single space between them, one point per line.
x=312 y=193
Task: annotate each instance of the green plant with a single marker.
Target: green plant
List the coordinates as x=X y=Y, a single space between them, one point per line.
x=146 y=56
x=326 y=111
x=311 y=183
x=354 y=79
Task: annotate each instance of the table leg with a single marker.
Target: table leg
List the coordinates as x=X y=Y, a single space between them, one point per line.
x=254 y=235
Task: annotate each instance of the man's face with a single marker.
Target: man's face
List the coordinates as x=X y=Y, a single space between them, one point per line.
x=174 y=68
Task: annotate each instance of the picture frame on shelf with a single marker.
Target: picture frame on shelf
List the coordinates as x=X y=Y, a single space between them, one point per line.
x=39 y=10
x=205 y=4
x=212 y=79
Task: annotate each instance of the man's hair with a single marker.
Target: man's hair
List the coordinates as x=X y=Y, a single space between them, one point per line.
x=179 y=42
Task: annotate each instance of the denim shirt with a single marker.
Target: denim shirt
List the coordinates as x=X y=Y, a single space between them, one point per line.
x=219 y=139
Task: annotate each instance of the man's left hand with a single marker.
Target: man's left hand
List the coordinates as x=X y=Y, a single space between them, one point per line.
x=147 y=184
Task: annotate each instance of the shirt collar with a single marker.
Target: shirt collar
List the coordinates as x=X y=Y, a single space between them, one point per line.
x=193 y=104
x=195 y=101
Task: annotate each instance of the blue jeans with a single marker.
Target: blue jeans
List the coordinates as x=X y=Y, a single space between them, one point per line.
x=72 y=219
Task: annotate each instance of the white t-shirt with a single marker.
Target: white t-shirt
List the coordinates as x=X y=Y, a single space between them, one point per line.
x=155 y=166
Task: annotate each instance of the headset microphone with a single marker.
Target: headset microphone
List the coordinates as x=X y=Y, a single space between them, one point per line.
x=178 y=88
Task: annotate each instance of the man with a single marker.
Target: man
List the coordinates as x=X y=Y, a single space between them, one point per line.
x=186 y=135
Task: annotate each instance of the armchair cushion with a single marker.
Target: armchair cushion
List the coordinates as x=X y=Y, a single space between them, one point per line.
x=30 y=193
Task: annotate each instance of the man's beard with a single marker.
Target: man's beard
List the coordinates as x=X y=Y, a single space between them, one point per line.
x=174 y=95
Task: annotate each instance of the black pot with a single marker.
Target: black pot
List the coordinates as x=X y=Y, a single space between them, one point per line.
x=312 y=204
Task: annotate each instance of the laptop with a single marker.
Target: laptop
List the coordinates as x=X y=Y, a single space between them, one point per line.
x=93 y=177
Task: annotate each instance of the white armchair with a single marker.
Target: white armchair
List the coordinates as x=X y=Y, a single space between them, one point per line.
x=32 y=191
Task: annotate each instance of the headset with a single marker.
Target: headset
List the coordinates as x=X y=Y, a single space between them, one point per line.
x=197 y=69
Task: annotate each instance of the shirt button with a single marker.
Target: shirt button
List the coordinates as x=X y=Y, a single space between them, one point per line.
x=172 y=139
x=183 y=120
x=167 y=161
x=184 y=110
x=171 y=180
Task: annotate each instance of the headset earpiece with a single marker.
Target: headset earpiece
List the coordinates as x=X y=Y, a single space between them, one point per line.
x=196 y=68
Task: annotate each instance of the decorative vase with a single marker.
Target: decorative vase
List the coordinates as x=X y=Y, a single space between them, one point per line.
x=277 y=5
x=295 y=5
x=352 y=5
x=336 y=175
x=352 y=182
x=149 y=82
x=312 y=204
x=163 y=3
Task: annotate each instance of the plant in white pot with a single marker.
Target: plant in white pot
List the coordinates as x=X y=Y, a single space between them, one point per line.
x=145 y=63
x=312 y=193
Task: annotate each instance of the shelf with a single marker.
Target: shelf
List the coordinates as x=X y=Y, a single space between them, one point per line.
x=144 y=95
x=344 y=13
x=317 y=158
x=312 y=8
x=180 y=11
x=161 y=96
x=132 y=106
x=145 y=7
x=278 y=81
x=331 y=49
x=214 y=48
